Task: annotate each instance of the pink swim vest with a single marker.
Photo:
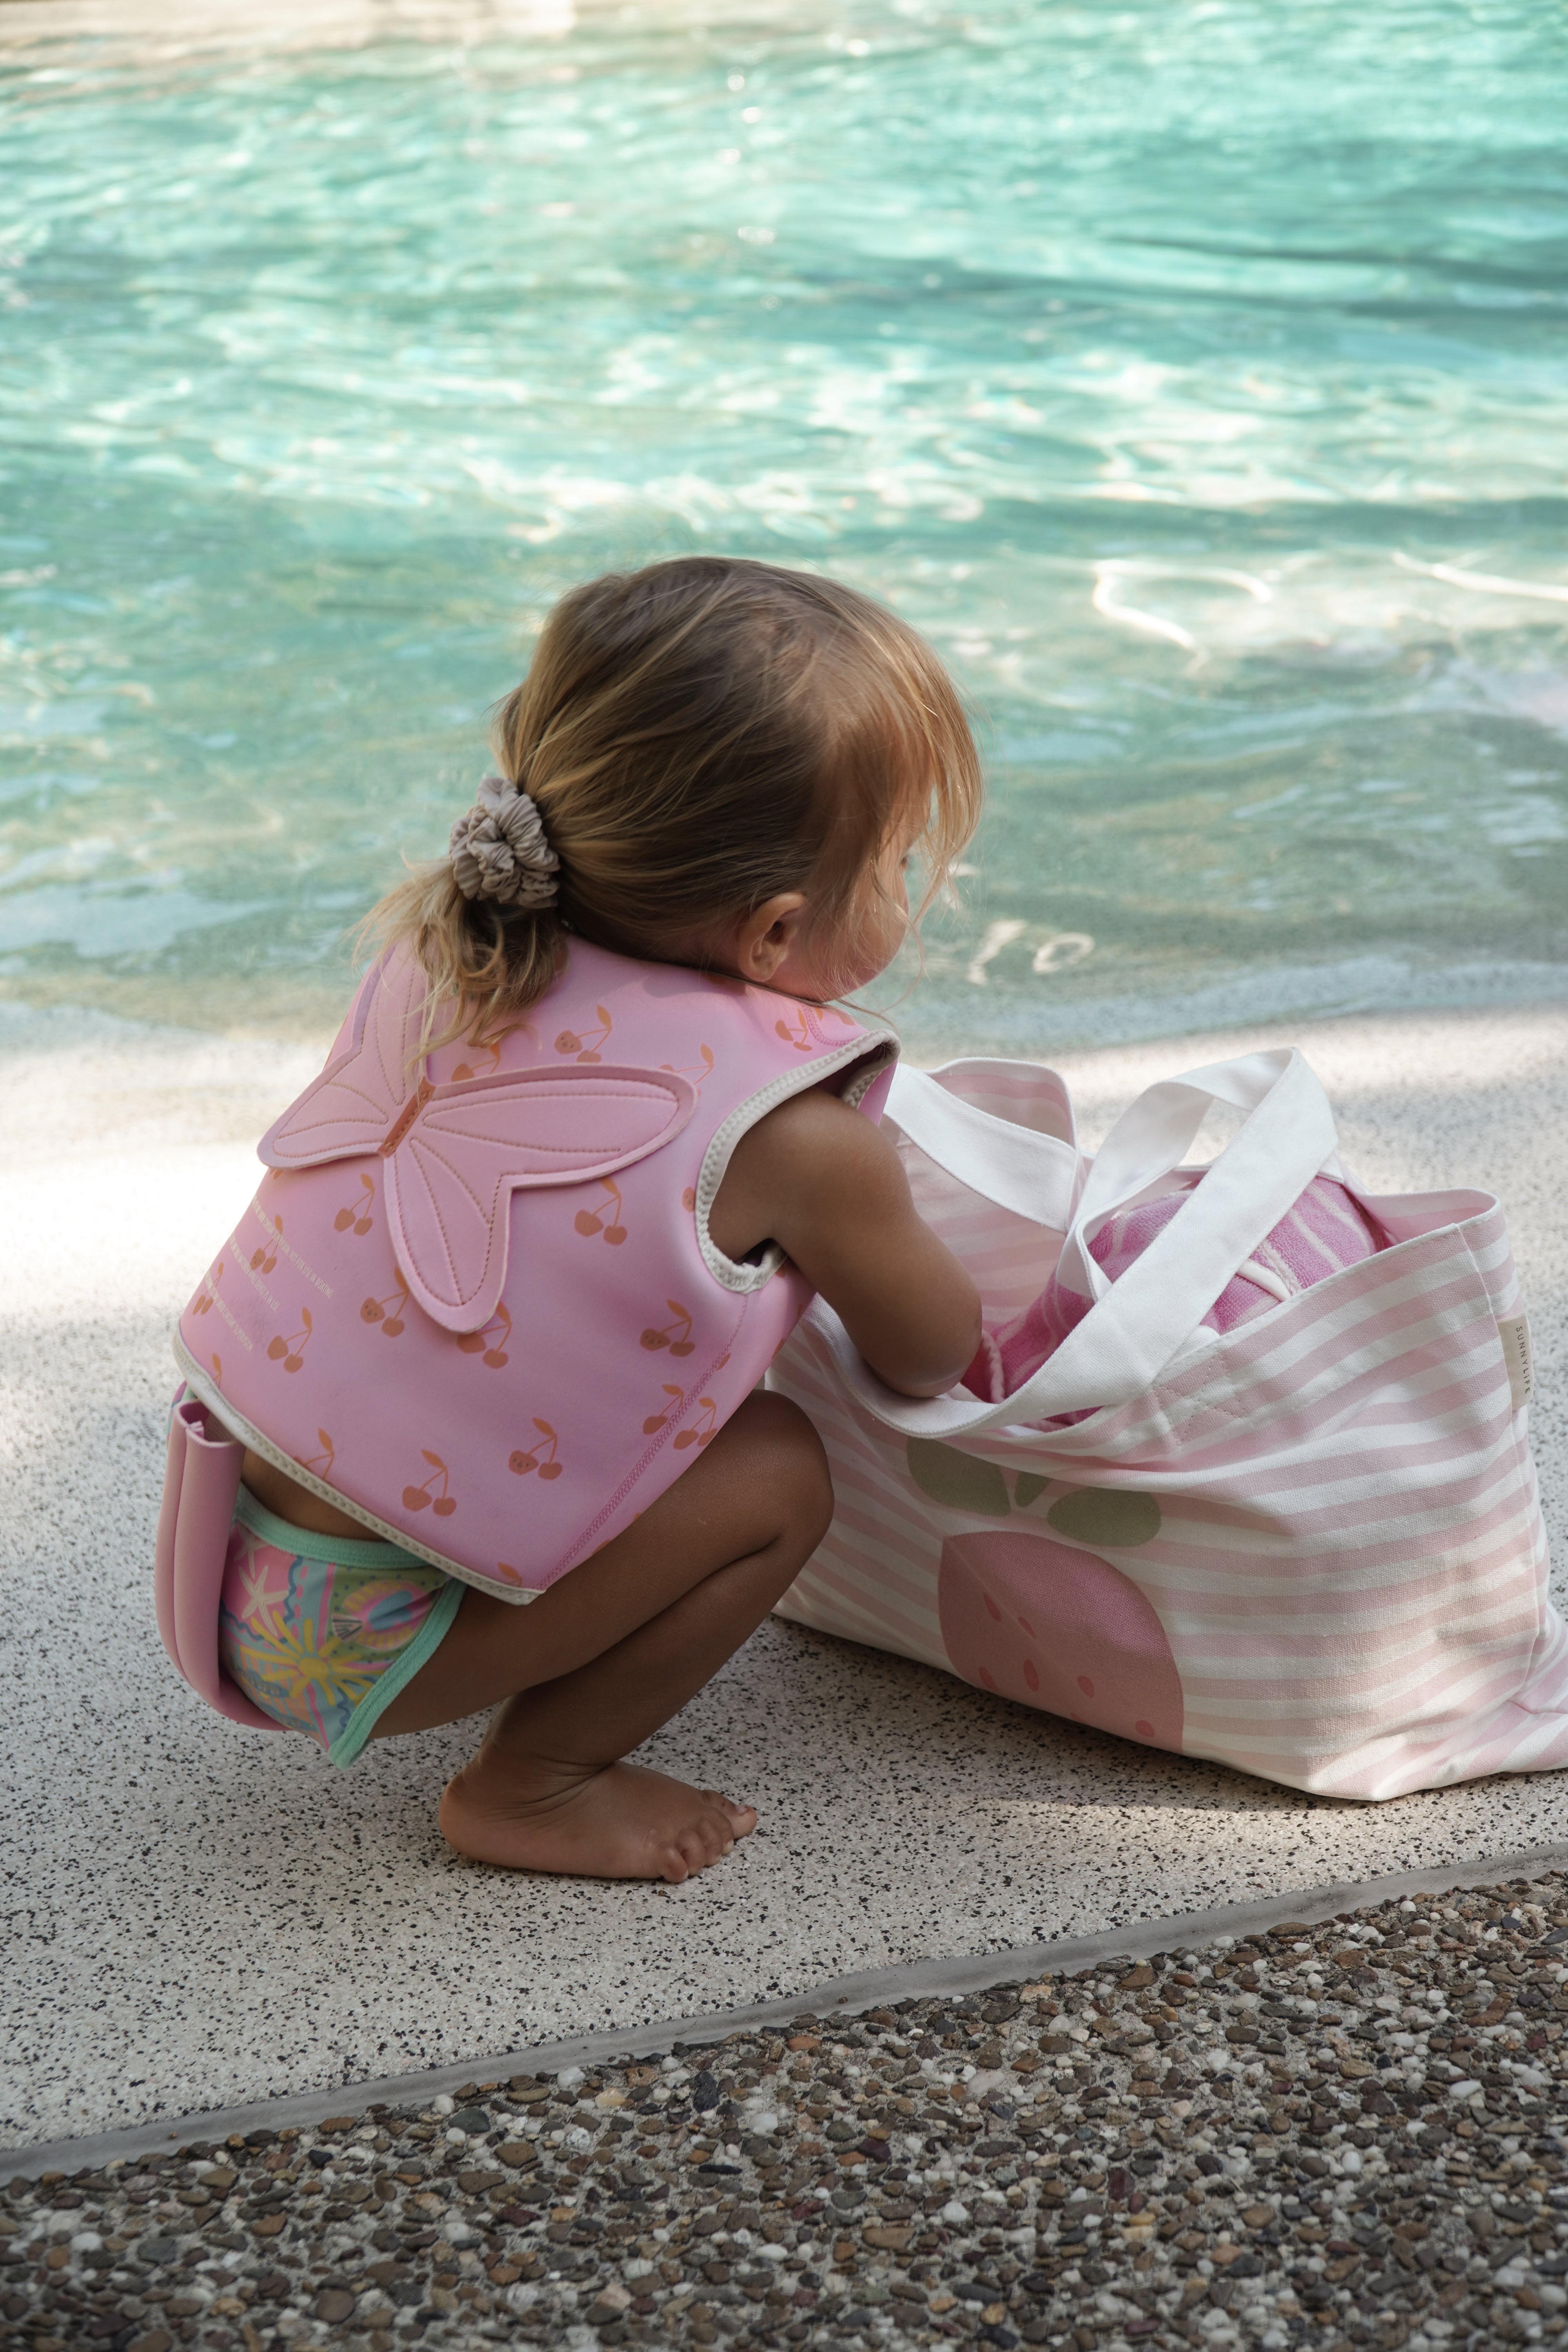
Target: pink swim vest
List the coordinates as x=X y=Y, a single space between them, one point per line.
x=475 y=1302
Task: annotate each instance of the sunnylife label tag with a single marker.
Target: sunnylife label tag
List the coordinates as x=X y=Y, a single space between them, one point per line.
x=1513 y=1330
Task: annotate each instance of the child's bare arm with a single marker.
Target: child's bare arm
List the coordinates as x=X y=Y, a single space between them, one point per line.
x=828 y=1187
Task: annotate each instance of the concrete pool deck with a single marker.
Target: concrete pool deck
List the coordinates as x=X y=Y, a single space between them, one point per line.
x=203 y=1916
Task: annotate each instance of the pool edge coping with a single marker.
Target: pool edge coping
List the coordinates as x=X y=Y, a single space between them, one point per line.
x=847 y=1996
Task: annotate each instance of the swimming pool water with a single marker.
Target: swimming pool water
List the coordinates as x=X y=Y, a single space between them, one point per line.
x=1194 y=375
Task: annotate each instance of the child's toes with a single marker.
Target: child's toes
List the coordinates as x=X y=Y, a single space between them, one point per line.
x=741 y=1819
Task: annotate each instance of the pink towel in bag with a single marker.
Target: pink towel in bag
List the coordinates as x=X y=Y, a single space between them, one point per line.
x=1326 y=1230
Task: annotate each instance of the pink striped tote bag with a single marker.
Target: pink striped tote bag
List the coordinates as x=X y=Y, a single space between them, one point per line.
x=1309 y=1546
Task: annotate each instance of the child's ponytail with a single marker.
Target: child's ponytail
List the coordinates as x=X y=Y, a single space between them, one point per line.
x=485 y=924
x=690 y=741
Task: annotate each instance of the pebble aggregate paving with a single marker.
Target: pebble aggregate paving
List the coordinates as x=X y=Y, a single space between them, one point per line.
x=1330 y=2137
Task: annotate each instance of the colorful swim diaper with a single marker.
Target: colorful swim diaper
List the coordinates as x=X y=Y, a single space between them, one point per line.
x=322 y=1632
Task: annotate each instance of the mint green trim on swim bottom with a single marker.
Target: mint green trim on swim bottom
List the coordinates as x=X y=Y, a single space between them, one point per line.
x=424 y=1644
x=322 y=1632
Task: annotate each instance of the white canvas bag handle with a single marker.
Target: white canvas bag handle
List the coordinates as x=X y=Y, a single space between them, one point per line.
x=1142 y=1320
x=1037 y=1176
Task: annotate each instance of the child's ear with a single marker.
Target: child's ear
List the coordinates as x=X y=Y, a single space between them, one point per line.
x=764 y=938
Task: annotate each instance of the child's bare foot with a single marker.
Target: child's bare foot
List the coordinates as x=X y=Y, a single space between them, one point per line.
x=621 y=1822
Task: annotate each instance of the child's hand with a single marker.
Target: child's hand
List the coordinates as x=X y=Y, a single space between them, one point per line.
x=828 y=1187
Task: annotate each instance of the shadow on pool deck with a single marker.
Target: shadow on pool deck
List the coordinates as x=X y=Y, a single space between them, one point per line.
x=206 y=1916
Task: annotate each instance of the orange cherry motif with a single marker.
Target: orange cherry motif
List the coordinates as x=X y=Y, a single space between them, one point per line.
x=264 y=1258
x=467 y=1070
x=356 y=1213
x=388 y=1311
x=290 y=1351
x=490 y=1342
x=702 y=1430
x=321 y=1465
x=676 y=1336
x=587 y=1046
x=589 y=1221
x=657 y=1420
x=537 y=1457
x=698 y=1070
x=415 y=1498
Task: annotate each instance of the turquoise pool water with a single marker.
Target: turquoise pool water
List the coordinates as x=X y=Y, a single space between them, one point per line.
x=1194 y=373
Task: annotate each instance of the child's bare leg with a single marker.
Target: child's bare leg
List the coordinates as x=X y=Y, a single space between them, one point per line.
x=596 y=1666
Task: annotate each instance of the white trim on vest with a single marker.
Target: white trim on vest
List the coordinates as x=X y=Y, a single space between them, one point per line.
x=224 y=1409
x=878 y=1049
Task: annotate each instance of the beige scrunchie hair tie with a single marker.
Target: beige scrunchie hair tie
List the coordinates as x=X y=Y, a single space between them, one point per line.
x=499 y=850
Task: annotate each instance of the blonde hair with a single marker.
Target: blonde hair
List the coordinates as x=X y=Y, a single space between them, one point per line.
x=698 y=736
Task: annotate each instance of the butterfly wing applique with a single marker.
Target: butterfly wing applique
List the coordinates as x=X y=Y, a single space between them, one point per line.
x=354 y=1104
x=455 y=1153
x=451 y=1178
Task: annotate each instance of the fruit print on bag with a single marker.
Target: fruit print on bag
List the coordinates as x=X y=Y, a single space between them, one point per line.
x=1033 y=1620
x=965 y=1482
x=1117 y=1518
x=1110 y=1515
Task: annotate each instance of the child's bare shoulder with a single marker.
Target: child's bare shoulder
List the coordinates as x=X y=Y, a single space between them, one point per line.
x=809 y=1156
x=816 y=1128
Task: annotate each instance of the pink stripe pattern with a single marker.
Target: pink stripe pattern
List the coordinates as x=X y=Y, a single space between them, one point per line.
x=1313 y=1550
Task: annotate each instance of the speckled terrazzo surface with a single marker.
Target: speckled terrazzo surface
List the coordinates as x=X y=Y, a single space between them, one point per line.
x=1333 y=2139
x=202 y=1916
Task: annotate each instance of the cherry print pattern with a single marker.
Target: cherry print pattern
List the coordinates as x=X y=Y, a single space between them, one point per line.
x=702 y=1430
x=290 y=1351
x=354 y=1216
x=467 y=1070
x=415 y=1498
x=587 y=1046
x=676 y=1336
x=588 y=1222
x=388 y=1311
x=541 y=1458
x=697 y=1070
x=424 y=1446
x=490 y=1344
x=321 y=1465
x=657 y=1420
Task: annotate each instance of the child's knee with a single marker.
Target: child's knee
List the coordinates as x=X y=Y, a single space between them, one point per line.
x=797 y=1466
